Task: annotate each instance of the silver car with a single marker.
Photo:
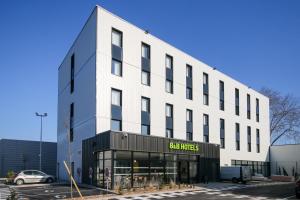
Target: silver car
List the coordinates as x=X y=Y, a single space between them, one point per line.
x=33 y=176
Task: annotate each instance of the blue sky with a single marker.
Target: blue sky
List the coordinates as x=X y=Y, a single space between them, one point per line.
x=256 y=42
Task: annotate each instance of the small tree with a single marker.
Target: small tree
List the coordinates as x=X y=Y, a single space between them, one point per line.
x=284 y=115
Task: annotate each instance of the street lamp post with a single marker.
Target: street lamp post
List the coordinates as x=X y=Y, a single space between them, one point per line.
x=41 y=135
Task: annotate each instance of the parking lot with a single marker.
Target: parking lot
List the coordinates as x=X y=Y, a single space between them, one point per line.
x=51 y=191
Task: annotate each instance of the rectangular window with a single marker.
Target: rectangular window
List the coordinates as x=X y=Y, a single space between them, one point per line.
x=205 y=89
x=169 y=86
x=222 y=133
x=117 y=38
x=169 y=110
x=257 y=141
x=249 y=138
x=189 y=115
x=237 y=101
x=71 y=136
x=237 y=136
x=205 y=128
x=72 y=72
x=116 y=125
x=116 y=67
x=257 y=110
x=221 y=94
x=145 y=51
x=169 y=74
x=248 y=107
x=169 y=120
x=145 y=78
x=169 y=133
x=116 y=97
x=145 y=129
x=189 y=93
x=189 y=82
x=146 y=104
x=189 y=136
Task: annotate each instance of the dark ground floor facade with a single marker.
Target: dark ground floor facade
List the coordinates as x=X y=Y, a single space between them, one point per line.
x=126 y=160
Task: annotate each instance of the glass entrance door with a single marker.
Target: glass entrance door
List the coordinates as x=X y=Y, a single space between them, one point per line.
x=183 y=172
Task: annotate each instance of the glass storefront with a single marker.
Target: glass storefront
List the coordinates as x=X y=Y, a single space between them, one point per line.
x=140 y=169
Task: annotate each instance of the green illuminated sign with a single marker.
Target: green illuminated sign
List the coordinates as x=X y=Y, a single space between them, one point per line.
x=183 y=146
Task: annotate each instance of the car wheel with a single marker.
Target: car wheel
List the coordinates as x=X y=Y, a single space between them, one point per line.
x=49 y=180
x=234 y=180
x=20 y=182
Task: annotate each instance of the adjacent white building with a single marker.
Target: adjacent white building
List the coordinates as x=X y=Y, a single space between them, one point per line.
x=119 y=77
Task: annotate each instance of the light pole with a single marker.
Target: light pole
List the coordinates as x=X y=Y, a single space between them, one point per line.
x=41 y=135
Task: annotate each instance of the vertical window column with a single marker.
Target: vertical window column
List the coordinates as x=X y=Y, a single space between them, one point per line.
x=71 y=133
x=169 y=74
x=249 y=138
x=237 y=101
x=169 y=121
x=257 y=110
x=248 y=106
x=72 y=73
x=116 y=52
x=146 y=64
x=116 y=110
x=145 y=116
x=189 y=124
x=205 y=128
x=189 y=82
x=222 y=133
x=257 y=141
x=205 y=89
x=221 y=94
x=237 y=136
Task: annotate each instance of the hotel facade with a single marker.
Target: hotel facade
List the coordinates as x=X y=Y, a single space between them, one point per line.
x=137 y=110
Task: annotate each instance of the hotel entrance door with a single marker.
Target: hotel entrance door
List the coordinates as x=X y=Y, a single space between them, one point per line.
x=183 y=171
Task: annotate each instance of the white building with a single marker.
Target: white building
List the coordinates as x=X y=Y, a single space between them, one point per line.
x=114 y=70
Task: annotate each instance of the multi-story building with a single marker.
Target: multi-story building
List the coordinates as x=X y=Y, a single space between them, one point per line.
x=121 y=88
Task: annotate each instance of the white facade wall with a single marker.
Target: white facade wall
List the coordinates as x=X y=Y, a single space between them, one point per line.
x=133 y=90
x=287 y=157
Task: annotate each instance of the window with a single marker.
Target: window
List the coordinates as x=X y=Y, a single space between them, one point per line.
x=205 y=128
x=145 y=129
x=248 y=107
x=237 y=136
x=169 y=110
x=71 y=136
x=221 y=88
x=116 y=125
x=169 y=86
x=189 y=71
x=116 y=38
x=222 y=133
x=145 y=78
x=237 y=101
x=116 y=67
x=205 y=99
x=169 y=121
x=116 y=97
x=189 y=115
x=169 y=62
x=189 y=94
x=257 y=141
x=249 y=138
x=189 y=82
x=189 y=124
x=146 y=104
x=205 y=89
x=257 y=110
x=145 y=51
x=169 y=133
x=72 y=72
x=169 y=74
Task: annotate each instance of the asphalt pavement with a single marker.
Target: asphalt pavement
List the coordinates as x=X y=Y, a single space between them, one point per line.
x=54 y=191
